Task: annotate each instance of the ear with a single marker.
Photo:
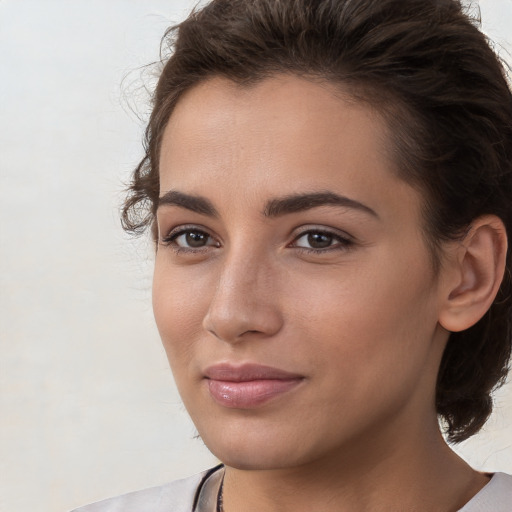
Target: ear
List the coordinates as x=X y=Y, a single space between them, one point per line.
x=476 y=273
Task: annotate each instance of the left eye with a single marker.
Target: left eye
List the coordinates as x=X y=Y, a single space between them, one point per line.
x=319 y=240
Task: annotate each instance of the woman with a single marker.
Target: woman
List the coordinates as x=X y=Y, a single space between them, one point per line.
x=328 y=185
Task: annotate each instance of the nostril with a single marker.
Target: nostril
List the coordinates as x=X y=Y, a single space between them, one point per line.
x=262 y=320
x=243 y=304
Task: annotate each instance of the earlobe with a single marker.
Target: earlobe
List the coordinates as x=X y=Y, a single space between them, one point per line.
x=478 y=270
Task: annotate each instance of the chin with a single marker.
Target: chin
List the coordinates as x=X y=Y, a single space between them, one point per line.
x=258 y=449
x=254 y=459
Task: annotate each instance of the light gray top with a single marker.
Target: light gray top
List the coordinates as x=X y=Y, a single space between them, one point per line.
x=180 y=496
x=496 y=496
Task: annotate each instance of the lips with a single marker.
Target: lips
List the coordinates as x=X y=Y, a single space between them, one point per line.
x=248 y=386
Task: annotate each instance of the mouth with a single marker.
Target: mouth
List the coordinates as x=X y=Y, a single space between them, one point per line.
x=249 y=385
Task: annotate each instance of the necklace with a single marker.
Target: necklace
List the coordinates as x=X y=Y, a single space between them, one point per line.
x=208 y=497
x=220 y=507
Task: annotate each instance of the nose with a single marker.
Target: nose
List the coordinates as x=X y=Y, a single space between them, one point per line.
x=245 y=303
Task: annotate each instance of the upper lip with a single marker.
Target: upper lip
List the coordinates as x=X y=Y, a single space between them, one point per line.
x=247 y=372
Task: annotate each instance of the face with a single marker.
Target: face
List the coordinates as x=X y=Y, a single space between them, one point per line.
x=293 y=288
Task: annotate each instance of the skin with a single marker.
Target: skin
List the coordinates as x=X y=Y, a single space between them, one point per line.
x=358 y=319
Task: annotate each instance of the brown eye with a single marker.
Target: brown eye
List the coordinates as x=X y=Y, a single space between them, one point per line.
x=190 y=239
x=319 y=240
x=196 y=239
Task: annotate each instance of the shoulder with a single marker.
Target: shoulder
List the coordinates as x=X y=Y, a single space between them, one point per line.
x=177 y=496
x=496 y=496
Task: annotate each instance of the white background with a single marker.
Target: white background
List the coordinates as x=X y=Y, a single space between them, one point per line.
x=88 y=406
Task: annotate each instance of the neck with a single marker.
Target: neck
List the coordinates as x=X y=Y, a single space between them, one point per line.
x=415 y=473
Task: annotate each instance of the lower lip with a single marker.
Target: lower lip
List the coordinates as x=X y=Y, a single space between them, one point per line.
x=249 y=394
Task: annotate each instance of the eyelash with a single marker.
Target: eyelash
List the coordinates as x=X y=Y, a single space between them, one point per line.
x=174 y=234
x=340 y=242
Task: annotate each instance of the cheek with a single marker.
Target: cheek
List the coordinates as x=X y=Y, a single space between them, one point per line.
x=370 y=318
x=180 y=302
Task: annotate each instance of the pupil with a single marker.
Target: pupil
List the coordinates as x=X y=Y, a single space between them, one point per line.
x=195 y=239
x=319 y=240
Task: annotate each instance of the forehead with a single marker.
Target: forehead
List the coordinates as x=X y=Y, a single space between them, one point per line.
x=282 y=135
x=287 y=104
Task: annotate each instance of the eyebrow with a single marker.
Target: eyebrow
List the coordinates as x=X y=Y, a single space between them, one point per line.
x=196 y=204
x=274 y=208
x=300 y=202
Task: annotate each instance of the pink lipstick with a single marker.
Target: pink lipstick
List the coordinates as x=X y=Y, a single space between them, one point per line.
x=249 y=385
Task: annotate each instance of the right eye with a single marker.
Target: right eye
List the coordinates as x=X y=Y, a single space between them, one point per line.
x=189 y=239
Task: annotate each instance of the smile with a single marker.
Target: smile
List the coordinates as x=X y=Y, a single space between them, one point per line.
x=248 y=386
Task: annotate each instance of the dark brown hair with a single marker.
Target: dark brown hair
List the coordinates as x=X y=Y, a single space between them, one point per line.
x=428 y=70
